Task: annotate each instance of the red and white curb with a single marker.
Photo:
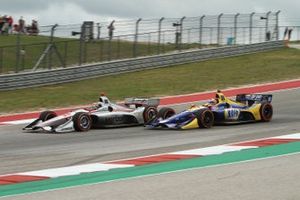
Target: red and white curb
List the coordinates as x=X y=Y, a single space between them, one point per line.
x=25 y=118
x=132 y=162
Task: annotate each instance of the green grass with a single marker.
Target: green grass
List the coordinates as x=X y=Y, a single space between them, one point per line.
x=8 y=40
x=282 y=64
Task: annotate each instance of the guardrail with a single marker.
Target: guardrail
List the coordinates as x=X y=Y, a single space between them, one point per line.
x=48 y=77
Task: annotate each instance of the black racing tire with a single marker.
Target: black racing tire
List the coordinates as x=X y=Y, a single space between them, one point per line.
x=149 y=113
x=46 y=115
x=165 y=113
x=82 y=122
x=266 y=112
x=205 y=118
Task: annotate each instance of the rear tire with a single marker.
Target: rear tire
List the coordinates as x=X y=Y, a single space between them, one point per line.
x=205 y=118
x=166 y=113
x=149 y=113
x=82 y=121
x=46 y=115
x=266 y=112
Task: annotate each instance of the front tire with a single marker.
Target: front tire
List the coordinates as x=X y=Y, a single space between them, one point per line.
x=46 y=115
x=266 y=112
x=82 y=122
x=205 y=118
x=165 y=113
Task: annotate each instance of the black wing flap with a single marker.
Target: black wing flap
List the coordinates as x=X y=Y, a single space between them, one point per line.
x=254 y=97
x=142 y=101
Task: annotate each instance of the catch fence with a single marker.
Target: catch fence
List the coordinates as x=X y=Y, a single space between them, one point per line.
x=61 y=46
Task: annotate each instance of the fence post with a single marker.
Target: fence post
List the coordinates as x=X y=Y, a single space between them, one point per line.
x=181 y=31
x=201 y=31
x=277 y=25
x=267 y=25
x=235 y=27
x=51 y=45
x=251 y=27
x=136 y=36
x=109 y=49
x=159 y=34
x=50 y=49
x=18 y=52
x=80 y=45
x=219 y=28
x=98 y=31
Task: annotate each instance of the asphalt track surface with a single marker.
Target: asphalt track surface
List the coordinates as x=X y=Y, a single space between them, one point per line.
x=275 y=178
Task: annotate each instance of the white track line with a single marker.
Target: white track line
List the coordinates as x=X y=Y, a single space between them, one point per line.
x=215 y=150
x=74 y=170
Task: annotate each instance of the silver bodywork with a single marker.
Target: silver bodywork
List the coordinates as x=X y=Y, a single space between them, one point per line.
x=103 y=110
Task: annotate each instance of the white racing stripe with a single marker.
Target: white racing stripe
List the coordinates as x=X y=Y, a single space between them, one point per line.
x=74 y=170
x=295 y=136
x=213 y=150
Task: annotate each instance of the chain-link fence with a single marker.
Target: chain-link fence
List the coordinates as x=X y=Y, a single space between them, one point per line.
x=78 y=44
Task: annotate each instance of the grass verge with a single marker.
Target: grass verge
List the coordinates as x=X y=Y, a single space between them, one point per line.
x=282 y=64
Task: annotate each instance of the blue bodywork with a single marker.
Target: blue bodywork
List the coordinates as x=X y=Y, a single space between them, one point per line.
x=224 y=110
x=175 y=122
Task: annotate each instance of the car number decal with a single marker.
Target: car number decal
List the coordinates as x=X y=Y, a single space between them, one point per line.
x=232 y=113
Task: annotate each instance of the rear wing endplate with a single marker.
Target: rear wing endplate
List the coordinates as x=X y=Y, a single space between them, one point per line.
x=141 y=102
x=254 y=97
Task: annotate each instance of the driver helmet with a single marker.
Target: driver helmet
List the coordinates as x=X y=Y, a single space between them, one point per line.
x=213 y=102
x=101 y=97
x=101 y=100
x=193 y=106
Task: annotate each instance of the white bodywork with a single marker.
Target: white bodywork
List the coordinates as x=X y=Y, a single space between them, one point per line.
x=103 y=109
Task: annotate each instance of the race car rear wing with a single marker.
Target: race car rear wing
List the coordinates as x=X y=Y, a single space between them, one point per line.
x=254 y=97
x=138 y=102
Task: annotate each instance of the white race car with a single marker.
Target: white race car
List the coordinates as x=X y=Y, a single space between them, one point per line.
x=104 y=114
